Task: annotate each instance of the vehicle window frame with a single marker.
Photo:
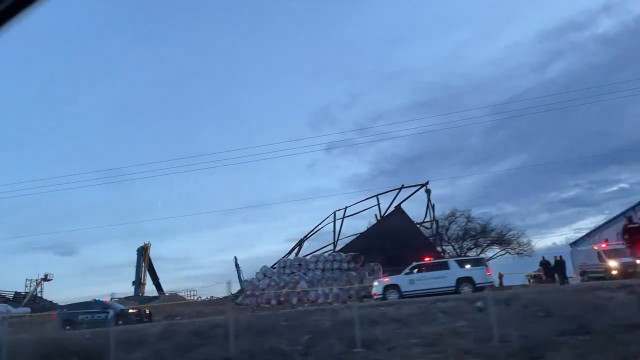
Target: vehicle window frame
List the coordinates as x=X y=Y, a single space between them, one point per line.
x=115 y=305
x=482 y=262
x=413 y=269
x=615 y=253
x=100 y=305
x=438 y=265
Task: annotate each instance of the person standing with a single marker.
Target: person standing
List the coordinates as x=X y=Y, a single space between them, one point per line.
x=541 y=266
x=562 y=271
x=547 y=270
x=631 y=235
x=556 y=269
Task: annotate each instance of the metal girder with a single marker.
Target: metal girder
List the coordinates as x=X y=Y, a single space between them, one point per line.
x=386 y=211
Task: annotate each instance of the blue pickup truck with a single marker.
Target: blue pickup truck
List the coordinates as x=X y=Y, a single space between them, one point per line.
x=99 y=313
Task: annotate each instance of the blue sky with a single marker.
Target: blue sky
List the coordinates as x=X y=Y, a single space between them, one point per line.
x=94 y=85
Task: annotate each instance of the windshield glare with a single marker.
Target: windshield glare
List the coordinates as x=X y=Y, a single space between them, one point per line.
x=115 y=305
x=616 y=253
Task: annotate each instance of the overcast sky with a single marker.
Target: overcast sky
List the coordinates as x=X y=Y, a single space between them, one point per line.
x=96 y=85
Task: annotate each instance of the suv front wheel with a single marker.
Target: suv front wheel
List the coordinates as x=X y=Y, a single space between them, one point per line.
x=392 y=292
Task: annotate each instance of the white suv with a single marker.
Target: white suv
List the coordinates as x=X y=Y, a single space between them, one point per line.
x=460 y=275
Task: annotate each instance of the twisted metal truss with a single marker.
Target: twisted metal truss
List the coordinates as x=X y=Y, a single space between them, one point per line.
x=336 y=219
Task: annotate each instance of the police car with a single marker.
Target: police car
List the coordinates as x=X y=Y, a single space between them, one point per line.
x=457 y=275
x=99 y=313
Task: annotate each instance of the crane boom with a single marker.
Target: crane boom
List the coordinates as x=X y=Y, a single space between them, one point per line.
x=144 y=266
x=45 y=278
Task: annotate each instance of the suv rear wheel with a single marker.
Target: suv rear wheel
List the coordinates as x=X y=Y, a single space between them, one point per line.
x=465 y=286
x=392 y=292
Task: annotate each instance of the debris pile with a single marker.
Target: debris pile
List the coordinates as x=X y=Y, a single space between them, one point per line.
x=170 y=298
x=330 y=278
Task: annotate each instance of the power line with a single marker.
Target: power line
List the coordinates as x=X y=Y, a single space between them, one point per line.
x=323 y=135
x=247 y=207
x=573 y=233
x=312 y=145
x=317 y=150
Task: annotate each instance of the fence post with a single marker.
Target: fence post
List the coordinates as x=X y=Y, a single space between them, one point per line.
x=232 y=337
x=356 y=328
x=4 y=345
x=493 y=318
x=112 y=337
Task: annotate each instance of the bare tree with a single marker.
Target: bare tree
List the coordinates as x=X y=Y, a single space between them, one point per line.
x=463 y=234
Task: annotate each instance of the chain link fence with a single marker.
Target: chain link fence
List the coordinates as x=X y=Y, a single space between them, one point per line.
x=569 y=322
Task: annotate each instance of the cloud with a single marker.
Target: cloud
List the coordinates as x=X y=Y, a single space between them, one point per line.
x=330 y=115
x=58 y=248
x=540 y=199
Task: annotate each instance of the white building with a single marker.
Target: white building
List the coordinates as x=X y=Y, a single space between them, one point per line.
x=610 y=230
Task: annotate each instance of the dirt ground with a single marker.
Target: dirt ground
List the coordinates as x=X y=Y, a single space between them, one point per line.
x=583 y=321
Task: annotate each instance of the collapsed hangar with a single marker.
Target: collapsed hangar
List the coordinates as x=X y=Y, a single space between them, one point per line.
x=394 y=240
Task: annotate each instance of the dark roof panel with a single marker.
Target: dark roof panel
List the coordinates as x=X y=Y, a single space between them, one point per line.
x=394 y=242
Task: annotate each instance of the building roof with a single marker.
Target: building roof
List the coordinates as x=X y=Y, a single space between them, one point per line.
x=605 y=223
x=395 y=241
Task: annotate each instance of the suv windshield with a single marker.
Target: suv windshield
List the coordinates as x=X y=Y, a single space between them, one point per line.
x=115 y=306
x=616 y=253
